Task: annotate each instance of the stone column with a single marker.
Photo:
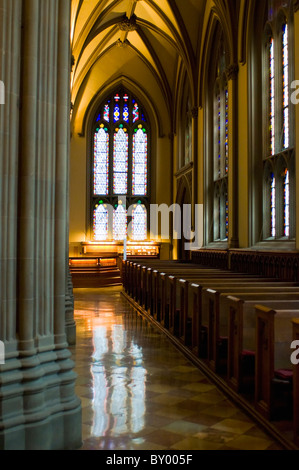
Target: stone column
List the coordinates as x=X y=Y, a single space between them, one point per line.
x=233 y=179
x=195 y=164
x=27 y=183
x=38 y=405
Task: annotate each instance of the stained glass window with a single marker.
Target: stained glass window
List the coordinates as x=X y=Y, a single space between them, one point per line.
x=279 y=153
x=100 y=223
x=285 y=62
x=120 y=223
x=116 y=113
x=139 y=164
x=219 y=136
x=107 y=112
x=101 y=161
x=226 y=131
x=120 y=164
x=273 y=206
x=272 y=96
x=135 y=112
x=139 y=223
x=126 y=113
x=226 y=216
x=286 y=187
x=120 y=161
x=221 y=148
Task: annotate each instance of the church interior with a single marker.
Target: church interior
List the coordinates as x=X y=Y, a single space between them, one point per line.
x=149 y=240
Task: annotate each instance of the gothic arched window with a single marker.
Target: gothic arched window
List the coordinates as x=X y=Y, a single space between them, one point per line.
x=120 y=190
x=279 y=187
x=221 y=149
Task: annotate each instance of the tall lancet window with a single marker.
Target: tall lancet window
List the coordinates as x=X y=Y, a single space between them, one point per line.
x=139 y=222
x=221 y=149
x=285 y=86
x=279 y=157
x=271 y=96
x=120 y=169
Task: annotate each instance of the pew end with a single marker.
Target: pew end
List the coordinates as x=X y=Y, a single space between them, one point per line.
x=274 y=374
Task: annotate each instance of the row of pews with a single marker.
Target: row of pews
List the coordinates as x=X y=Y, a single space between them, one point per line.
x=240 y=326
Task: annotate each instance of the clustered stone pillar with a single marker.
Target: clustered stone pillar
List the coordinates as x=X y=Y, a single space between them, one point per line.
x=232 y=76
x=38 y=405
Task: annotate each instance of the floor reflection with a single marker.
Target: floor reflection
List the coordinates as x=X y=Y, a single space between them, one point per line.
x=139 y=392
x=119 y=379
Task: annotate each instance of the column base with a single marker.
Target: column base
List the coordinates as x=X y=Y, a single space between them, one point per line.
x=70 y=331
x=39 y=409
x=59 y=432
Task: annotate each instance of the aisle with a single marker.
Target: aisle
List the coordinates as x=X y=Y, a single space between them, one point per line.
x=139 y=393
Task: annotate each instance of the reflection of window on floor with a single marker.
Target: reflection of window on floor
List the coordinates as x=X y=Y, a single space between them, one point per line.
x=119 y=383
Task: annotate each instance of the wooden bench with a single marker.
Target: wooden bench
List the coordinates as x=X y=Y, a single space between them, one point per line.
x=160 y=286
x=241 y=338
x=216 y=323
x=274 y=370
x=189 y=326
x=133 y=277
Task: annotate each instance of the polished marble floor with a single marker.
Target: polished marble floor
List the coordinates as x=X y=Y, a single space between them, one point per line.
x=139 y=393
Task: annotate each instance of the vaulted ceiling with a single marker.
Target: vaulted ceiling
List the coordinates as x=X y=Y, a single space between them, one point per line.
x=142 y=43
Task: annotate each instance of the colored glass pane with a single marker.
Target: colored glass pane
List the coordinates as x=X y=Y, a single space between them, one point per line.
x=106 y=113
x=285 y=59
x=272 y=97
x=226 y=131
x=100 y=223
x=116 y=113
x=226 y=216
x=273 y=206
x=135 y=112
x=286 y=203
x=120 y=223
x=101 y=162
x=139 y=223
x=126 y=113
x=120 y=162
x=139 y=163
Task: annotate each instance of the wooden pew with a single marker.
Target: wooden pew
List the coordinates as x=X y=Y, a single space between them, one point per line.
x=160 y=288
x=135 y=275
x=217 y=322
x=191 y=329
x=241 y=338
x=296 y=384
x=273 y=371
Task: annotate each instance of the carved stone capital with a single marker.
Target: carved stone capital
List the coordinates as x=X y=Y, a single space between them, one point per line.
x=128 y=24
x=232 y=72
